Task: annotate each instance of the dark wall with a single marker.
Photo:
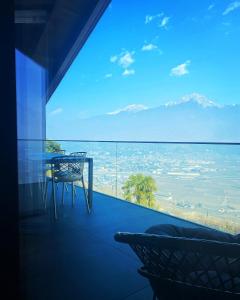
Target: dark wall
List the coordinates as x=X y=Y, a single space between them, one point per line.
x=8 y=159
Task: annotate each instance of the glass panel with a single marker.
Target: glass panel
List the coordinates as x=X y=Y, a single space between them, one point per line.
x=199 y=183
x=196 y=182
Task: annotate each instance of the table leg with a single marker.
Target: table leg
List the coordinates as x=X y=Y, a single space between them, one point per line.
x=90 y=182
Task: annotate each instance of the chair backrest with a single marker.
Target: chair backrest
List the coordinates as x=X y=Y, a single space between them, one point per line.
x=201 y=263
x=71 y=164
x=79 y=154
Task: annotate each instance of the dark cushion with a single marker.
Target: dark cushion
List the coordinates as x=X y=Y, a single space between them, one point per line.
x=237 y=238
x=195 y=233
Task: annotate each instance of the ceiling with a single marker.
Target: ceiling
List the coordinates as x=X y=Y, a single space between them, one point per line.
x=52 y=32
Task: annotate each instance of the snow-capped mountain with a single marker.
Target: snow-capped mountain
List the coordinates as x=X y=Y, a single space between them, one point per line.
x=193 y=118
x=195 y=98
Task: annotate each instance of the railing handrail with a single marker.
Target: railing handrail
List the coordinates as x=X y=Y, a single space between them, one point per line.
x=136 y=142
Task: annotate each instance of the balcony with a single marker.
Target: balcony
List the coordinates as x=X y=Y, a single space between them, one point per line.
x=76 y=256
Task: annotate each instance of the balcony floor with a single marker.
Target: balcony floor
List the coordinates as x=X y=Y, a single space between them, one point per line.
x=76 y=257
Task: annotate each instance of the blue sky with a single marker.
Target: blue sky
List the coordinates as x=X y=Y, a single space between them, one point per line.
x=148 y=53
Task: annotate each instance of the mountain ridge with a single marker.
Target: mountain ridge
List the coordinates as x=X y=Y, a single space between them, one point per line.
x=191 y=119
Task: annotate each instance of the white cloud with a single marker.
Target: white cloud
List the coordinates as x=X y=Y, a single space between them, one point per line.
x=150 y=18
x=56 y=111
x=126 y=59
x=129 y=108
x=181 y=69
x=109 y=75
x=113 y=58
x=211 y=6
x=164 y=22
x=149 y=47
x=128 y=72
x=231 y=7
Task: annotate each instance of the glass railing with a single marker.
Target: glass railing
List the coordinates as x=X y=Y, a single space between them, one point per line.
x=193 y=181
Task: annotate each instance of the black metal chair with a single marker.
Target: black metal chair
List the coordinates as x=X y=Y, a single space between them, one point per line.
x=185 y=268
x=68 y=169
x=48 y=177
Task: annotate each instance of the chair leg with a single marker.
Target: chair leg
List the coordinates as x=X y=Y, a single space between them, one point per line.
x=86 y=196
x=42 y=190
x=75 y=192
x=31 y=190
x=54 y=200
x=63 y=187
x=45 y=193
x=73 y=200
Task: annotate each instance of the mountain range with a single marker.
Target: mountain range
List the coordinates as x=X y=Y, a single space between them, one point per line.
x=194 y=118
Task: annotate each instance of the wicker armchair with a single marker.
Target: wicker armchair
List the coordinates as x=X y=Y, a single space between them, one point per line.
x=68 y=169
x=184 y=268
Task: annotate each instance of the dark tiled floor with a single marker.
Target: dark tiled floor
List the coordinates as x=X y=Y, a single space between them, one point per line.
x=76 y=257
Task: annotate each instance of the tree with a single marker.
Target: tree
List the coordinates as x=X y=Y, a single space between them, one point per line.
x=140 y=189
x=52 y=146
